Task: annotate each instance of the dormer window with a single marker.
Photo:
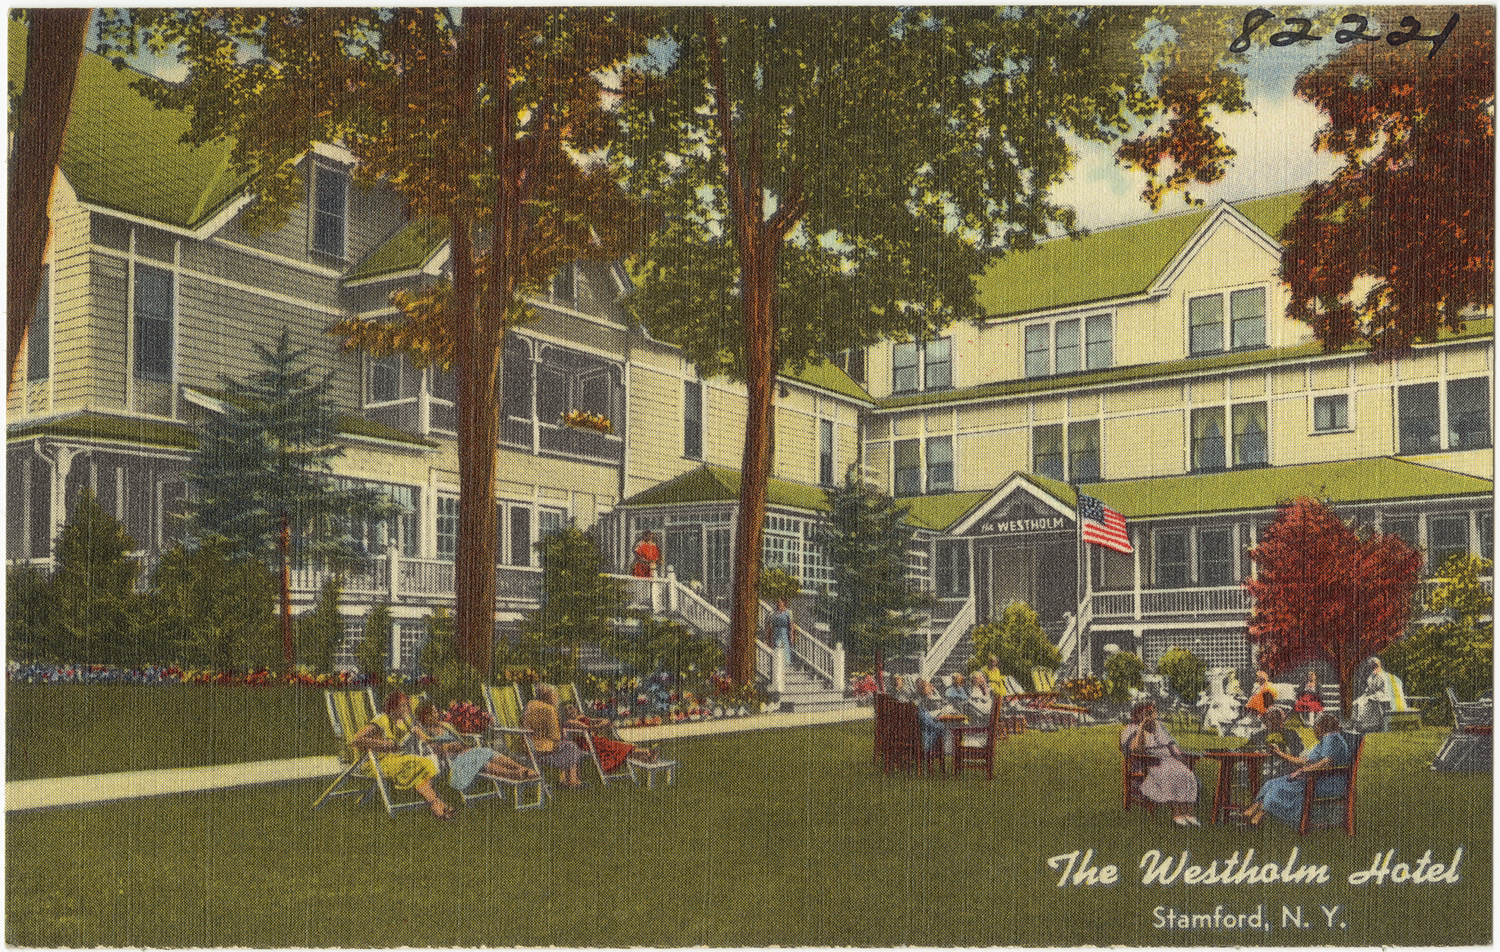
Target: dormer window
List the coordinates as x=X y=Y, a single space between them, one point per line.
x=330 y=203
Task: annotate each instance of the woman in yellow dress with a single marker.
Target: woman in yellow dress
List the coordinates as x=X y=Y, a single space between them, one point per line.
x=384 y=737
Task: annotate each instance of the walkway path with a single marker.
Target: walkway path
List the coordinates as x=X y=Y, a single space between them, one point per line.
x=101 y=788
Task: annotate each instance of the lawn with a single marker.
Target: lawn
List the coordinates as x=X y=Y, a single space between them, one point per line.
x=784 y=837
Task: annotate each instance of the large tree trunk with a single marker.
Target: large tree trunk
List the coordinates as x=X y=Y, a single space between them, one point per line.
x=53 y=48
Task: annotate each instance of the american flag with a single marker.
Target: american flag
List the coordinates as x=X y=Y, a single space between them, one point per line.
x=1102 y=525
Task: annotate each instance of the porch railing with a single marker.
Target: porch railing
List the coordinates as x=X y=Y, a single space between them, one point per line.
x=952 y=633
x=1222 y=600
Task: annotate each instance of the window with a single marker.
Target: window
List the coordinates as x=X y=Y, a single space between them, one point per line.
x=515 y=380
x=1100 y=351
x=1247 y=321
x=852 y=362
x=565 y=285
x=329 y=209
x=1216 y=556
x=1247 y=318
x=153 y=323
x=922 y=366
x=1206 y=324
x=905 y=372
x=1047 y=451
x=940 y=464
x=937 y=359
x=719 y=563
x=1446 y=535
x=1485 y=526
x=1066 y=351
x=951 y=568
x=908 y=468
x=1403 y=528
x=1469 y=414
x=1331 y=413
x=39 y=333
x=1208 y=439
x=1038 y=350
x=447 y=527
x=692 y=419
x=520 y=535
x=825 y=452
x=1171 y=559
x=1083 y=451
x=385 y=378
x=1069 y=346
x=549 y=521
x=1418 y=418
x=1250 y=434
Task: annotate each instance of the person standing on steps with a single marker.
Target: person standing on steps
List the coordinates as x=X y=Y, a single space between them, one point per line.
x=779 y=630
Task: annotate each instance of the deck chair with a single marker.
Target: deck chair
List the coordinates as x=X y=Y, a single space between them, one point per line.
x=348 y=712
x=1337 y=808
x=568 y=694
x=1135 y=768
x=1469 y=746
x=507 y=736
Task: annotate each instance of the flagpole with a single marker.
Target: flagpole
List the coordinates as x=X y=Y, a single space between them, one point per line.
x=1080 y=566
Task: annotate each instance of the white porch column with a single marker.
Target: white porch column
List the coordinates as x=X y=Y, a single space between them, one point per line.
x=672 y=595
x=393 y=570
x=840 y=677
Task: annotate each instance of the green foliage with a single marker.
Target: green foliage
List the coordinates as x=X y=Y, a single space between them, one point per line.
x=453 y=678
x=579 y=604
x=213 y=609
x=665 y=645
x=1018 y=643
x=1124 y=671
x=1185 y=673
x=267 y=458
x=1457 y=652
x=375 y=648
x=28 y=615
x=870 y=604
x=95 y=612
x=777 y=583
x=319 y=632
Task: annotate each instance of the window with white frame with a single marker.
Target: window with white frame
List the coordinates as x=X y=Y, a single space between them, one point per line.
x=447 y=527
x=692 y=419
x=1250 y=435
x=825 y=452
x=39 y=331
x=939 y=464
x=1469 y=414
x=1207 y=451
x=1447 y=535
x=1070 y=453
x=1047 y=451
x=1083 y=452
x=950 y=570
x=1234 y=320
x=330 y=206
x=1069 y=345
x=908 y=468
x=154 y=300
x=1331 y=413
x=917 y=365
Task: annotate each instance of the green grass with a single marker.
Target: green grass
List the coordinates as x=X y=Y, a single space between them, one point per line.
x=785 y=837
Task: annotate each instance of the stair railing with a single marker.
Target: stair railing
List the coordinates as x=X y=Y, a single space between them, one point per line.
x=827 y=663
x=938 y=654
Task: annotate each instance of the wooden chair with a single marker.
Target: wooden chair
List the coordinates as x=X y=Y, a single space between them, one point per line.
x=1470 y=745
x=1340 y=805
x=982 y=750
x=898 y=736
x=1135 y=768
x=348 y=712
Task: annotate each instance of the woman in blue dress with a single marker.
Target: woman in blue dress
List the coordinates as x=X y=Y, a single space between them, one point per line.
x=780 y=625
x=1281 y=797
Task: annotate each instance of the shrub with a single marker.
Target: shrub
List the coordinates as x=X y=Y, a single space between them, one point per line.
x=96 y=614
x=1124 y=670
x=28 y=615
x=1086 y=690
x=320 y=631
x=1185 y=673
x=1457 y=652
x=374 y=650
x=209 y=607
x=1018 y=643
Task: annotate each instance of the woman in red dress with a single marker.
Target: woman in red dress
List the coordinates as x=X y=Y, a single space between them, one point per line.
x=647 y=554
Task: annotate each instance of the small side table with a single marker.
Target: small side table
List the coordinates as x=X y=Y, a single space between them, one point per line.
x=1224 y=800
x=667 y=768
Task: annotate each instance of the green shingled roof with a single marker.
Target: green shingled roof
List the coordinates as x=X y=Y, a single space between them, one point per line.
x=941 y=511
x=1109 y=263
x=99 y=426
x=1382 y=479
x=123 y=154
x=407 y=250
x=827 y=376
x=710 y=483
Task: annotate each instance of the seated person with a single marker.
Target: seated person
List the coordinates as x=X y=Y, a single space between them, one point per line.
x=1170 y=780
x=980 y=699
x=1281 y=797
x=384 y=737
x=1309 y=698
x=1273 y=735
x=611 y=750
x=1371 y=706
x=1263 y=695
x=552 y=748
x=956 y=694
x=465 y=761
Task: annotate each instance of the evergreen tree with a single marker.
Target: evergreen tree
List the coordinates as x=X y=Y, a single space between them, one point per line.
x=95 y=610
x=870 y=603
x=375 y=650
x=321 y=631
x=262 y=475
x=28 y=615
x=1459 y=650
x=212 y=608
x=579 y=602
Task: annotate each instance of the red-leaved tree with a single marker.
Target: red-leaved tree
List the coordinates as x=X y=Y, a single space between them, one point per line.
x=1325 y=590
x=1401 y=242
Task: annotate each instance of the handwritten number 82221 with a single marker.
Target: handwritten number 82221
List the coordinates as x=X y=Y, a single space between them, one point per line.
x=1410 y=32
